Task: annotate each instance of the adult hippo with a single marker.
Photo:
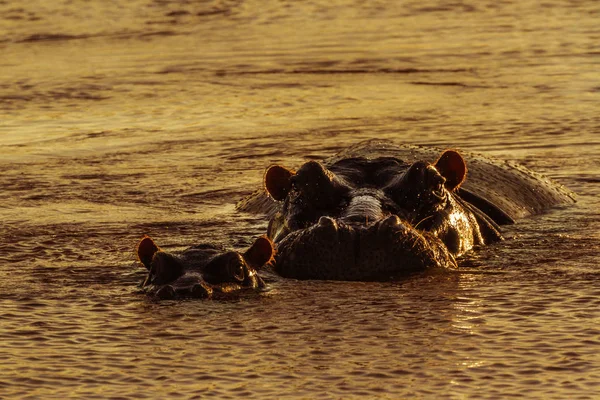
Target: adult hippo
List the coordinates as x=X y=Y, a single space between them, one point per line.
x=202 y=271
x=378 y=211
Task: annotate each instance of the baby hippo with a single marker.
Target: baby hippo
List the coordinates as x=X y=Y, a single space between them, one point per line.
x=202 y=271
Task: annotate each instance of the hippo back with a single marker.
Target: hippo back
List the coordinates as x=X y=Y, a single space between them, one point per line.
x=505 y=191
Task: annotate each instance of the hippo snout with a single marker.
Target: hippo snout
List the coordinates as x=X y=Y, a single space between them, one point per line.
x=184 y=288
x=335 y=249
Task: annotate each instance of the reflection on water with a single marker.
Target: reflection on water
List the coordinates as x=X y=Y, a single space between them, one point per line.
x=120 y=119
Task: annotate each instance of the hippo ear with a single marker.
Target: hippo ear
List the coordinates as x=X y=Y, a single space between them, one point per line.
x=146 y=250
x=452 y=166
x=278 y=181
x=260 y=253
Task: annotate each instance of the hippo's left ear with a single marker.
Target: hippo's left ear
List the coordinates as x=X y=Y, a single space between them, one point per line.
x=146 y=250
x=278 y=181
x=260 y=253
x=452 y=166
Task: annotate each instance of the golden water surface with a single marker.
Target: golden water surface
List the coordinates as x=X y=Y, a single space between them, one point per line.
x=124 y=118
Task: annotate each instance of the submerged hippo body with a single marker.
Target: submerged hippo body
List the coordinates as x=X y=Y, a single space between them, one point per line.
x=378 y=211
x=202 y=271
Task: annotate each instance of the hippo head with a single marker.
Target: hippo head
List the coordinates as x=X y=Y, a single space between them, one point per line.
x=370 y=219
x=202 y=271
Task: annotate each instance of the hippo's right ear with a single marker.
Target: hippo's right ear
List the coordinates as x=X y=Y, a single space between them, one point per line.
x=260 y=253
x=278 y=182
x=453 y=167
x=146 y=250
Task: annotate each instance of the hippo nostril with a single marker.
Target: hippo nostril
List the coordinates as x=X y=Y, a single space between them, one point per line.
x=200 y=291
x=235 y=269
x=328 y=222
x=393 y=223
x=392 y=220
x=166 y=292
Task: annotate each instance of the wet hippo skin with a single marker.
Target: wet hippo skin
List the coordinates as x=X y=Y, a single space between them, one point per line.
x=379 y=211
x=202 y=271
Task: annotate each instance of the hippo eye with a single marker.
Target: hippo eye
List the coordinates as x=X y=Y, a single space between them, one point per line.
x=164 y=269
x=228 y=267
x=236 y=271
x=294 y=187
x=436 y=182
x=438 y=191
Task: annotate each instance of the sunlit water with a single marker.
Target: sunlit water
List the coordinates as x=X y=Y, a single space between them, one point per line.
x=119 y=119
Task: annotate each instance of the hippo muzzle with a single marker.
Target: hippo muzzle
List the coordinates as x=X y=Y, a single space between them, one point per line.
x=381 y=250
